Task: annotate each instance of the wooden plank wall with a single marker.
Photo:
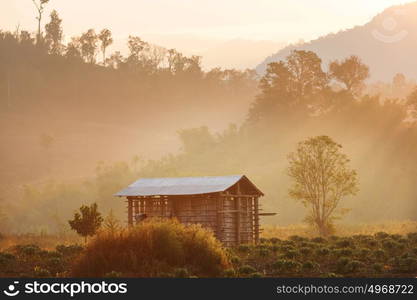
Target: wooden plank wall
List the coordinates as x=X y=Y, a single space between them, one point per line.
x=234 y=219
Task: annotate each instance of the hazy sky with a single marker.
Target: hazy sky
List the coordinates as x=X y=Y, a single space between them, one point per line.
x=199 y=24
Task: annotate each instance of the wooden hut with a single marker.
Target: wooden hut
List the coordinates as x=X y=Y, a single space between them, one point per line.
x=228 y=205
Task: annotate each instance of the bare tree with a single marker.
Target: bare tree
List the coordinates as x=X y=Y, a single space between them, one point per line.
x=40 y=6
x=321 y=179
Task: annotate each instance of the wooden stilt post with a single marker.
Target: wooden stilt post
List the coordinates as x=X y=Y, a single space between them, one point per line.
x=238 y=216
x=129 y=211
x=136 y=208
x=256 y=219
x=219 y=218
x=142 y=206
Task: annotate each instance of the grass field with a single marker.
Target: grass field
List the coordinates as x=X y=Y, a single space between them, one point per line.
x=380 y=250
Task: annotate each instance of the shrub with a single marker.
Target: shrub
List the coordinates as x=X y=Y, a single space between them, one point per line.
x=342 y=252
x=291 y=254
x=364 y=252
x=412 y=236
x=41 y=272
x=274 y=240
x=310 y=266
x=305 y=251
x=27 y=250
x=344 y=243
x=323 y=251
x=181 y=273
x=381 y=235
x=319 y=240
x=231 y=273
x=235 y=260
x=379 y=254
x=243 y=248
x=274 y=248
x=406 y=265
x=151 y=248
x=246 y=270
x=113 y=274
x=378 y=267
x=286 y=266
x=263 y=240
x=69 y=250
x=297 y=238
x=6 y=258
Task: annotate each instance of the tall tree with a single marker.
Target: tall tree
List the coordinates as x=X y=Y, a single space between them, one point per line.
x=40 y=6
x=105 y=40
x=321 y=179
x=87 y=221
x=412 y=102
x=307 y=75
x=54 y=34
x=73 y=49
x=351 y=72
x=88 y=44
x=136 y=45
x=295 y=83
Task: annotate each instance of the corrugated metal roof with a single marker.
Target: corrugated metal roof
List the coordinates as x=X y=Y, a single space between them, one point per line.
x=180 y=186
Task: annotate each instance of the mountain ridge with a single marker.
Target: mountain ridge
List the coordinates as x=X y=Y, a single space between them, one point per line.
x=390 y=36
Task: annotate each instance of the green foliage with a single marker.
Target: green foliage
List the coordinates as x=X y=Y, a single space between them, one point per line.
x=310 y=267
x=41 y=272
x=321 y=178
x=230 y=273
x=246 y=270
x=113 y=274
x=351 y=72
x=87 y=222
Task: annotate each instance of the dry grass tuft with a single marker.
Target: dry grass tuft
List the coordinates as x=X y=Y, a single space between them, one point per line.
x=390 y=227
x=153 y=249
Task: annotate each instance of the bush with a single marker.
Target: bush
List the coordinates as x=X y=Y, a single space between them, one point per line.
x=6 y=258
x=319 y=240
x=344 y=243
x=322 y=251
x=113 y=274
x=274 y=240
x=69 y=250
x=347 y=265
x=41 y=272
x=378 y=267
x=310 y=266
x=406 y=265
x=152 y=248
x=243 y=248
x=381 y=235
x=230 y=273
x=305 y=251
x=379 y=254
x=246 y=270
x=286 y=266
x=263 y=252
x=27 y=250
x=181 y=273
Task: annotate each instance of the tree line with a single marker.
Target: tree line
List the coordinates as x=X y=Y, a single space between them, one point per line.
x=81 y=72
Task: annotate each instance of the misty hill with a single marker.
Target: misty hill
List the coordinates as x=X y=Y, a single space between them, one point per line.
x=388 y=44
x=229 y=54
